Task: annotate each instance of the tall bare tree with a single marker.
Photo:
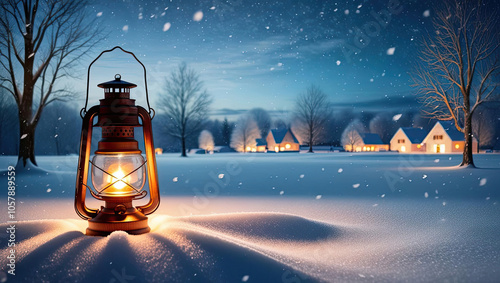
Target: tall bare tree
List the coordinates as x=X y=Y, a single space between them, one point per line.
x=186 y=103
x=206 y=141
x=459 y=65
x=263 y=120
x=40 y=40
x=351 y=136
x=244 y=134
x=312 y=110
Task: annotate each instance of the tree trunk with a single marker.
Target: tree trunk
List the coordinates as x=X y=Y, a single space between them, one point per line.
x=467 y=156
x=310 y=140
x=26 y=142
x=183 y=142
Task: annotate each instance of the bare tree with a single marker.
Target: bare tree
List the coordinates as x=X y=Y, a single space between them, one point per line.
x=312 y=110
x=206 y=141
x=351 y=135
x=40 y=42
x=458 y=65
x=245 y=134
x=263 y=120
x=383 y=125
x=186 y=103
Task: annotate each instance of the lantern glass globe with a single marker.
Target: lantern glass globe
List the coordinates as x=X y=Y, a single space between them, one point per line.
x=118 y=174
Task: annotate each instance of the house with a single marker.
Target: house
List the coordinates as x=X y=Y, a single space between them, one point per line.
x=409 y=139
x=372 y=142
x=365 y=142
x=261 y=145
x=445 y=138
x=279 y=140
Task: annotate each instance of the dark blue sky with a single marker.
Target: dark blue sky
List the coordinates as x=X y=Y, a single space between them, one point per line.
x=263 y=54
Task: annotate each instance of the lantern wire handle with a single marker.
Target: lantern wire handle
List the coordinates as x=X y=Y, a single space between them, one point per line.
x=83 y=111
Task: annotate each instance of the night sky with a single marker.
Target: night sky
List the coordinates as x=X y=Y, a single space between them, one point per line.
x=264 y=53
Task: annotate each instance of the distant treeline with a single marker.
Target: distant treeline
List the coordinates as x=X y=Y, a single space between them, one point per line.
x=58 y=132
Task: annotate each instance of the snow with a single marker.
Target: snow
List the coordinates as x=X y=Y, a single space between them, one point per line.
x=321 y=229
x=166 y=26
x=198 y=16
x=391 y=50
x=426 y=13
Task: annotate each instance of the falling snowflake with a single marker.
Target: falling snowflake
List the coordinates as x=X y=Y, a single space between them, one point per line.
x=302 y=176
x=318 y=196
x=221 y=176
x=140 y=16
x=166 y=26
x=198 y=16
x=49 y=190
x=391 y=50
x=436 y=160
x=426 y=13
x=396 y=117
x=24 y=136
x=356 y=185
x=125 y=28
x=340 y=170
x=382 y=196
x=424 y=176
x=338 y=62
x=346 y=12
x=482 y=182
x=175 y=179
x=99 y=14
x=245 y=278
x=426 y=194
x=282 y=192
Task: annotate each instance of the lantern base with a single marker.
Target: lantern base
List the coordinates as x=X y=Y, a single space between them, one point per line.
x=107 y=221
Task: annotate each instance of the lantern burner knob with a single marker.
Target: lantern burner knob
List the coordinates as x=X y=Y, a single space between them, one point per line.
x=118 y=77
x=120 y=209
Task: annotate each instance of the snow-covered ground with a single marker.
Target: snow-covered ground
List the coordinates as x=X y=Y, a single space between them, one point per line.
x=272 y=218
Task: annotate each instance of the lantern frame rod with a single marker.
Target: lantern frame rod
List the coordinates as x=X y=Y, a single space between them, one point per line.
x=151 y=111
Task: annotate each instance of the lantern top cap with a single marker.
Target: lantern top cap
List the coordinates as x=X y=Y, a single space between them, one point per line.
x=117 y=82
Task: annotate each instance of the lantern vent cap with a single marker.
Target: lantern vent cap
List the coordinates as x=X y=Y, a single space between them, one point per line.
x=117 y=82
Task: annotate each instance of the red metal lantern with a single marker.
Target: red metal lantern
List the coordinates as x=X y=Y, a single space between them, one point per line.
x=118 y=168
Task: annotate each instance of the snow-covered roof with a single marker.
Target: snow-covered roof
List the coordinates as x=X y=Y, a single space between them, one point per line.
x=279 y=135
x=261 y=142
x=415 y=135
x=369 y=138
x=452 y=131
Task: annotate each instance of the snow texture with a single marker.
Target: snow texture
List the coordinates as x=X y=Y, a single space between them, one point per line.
x=262 y=222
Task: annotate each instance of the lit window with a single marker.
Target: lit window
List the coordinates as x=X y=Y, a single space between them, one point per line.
x=419 y=146
x=282 y=148
x=287 y=146
x=248 y=148
x=373 y=148
x=277 y=149
x=457 y=146
x=364 y=148
x=403 y=148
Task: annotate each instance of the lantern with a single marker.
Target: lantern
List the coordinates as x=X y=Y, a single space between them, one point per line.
x=119 y=170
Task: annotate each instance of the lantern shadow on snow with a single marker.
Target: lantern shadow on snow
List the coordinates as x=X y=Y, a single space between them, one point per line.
x=118 y=168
